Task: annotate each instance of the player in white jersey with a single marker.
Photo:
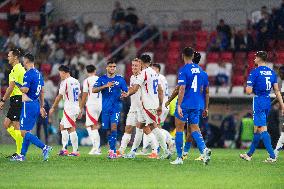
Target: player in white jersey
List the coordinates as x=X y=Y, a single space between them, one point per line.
x=132 y=116
x=93 y=102
x=165 y=88
x=152 y=100
x=70 y=91
x=280 y=142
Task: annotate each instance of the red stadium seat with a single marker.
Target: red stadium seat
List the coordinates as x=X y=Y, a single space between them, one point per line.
x=201 y=46
x=99 y=47
x=165 y=35
x=280 y=57
x=138 y=44
x=212 y=57
x=227 y=56
x=238 y=80
x=188 y=35
x=174 y=45
x=89 y=46
x=240 y=55
x=196 y=25
x=185 y=25
x=175 y=36
x=46 y=68
x=159 y=57
x=201 y=36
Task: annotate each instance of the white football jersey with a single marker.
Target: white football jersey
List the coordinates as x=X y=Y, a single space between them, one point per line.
x=164 y=84
x=93 y=98
x=148 y=80
x=135 y=99
x=70 y=90
x=282 y=87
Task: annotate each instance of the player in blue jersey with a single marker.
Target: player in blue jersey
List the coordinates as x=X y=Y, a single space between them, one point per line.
x=260 y=82
x=111 y=86
x=190 y=81
x=204 y=102
x=33 y=106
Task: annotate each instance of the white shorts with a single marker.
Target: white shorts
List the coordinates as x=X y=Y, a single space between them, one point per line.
x=147 y=116
x=69 y=119
x=92 y=115
x=132 y=118
x=164 y=115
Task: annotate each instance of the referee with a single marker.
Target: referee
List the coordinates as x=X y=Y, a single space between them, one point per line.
x=11 y=122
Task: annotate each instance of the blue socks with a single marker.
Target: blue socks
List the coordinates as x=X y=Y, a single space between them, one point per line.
x=196 y=135
x=254 y=144
x=25 y=146
x=187 y=146
x=112 y=140
x=30 y=138
x=179 y=143
x=267 y=143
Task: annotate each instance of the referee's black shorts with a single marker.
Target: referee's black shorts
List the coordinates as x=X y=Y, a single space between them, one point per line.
x=15 y=109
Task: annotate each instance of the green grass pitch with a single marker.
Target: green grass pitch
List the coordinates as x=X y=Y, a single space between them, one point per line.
x=226 y=170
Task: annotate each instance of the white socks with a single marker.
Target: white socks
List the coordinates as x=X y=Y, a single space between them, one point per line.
x=64 y=139
x=146 y=141
x=95 y=137
x=74 y=141
x=280 y=142
x=124 y=142
x=153 y=141
x=137 y=139
x=161 y=139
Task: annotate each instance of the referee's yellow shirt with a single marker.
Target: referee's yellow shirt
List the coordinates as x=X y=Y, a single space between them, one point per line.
x=17 y=75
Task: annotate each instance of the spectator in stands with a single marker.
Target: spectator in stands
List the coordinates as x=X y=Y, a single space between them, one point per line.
x=14 y=14
x=244 y=41
x=259 y=14
x=80 y=37
x=72 y=30
x=61 y=31
x=57 y=54
x=224 y=28
x=45 y=13
x=130 y=51
x=222 y=75
x=92 y=31
x=131 y=16
x=118 y=13
x=2 y=41
x=219 y=42
x=49 y=38
x=228 y=130
x=12 y=39
x=264 y=32
x=25 y=42
x=279 y=22
x=50 y=87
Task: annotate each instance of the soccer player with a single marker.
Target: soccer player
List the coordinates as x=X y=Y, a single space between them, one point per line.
x=280 y=142
x=70 y=91
x=152 y=100
x=165 y=88
x=260 y=82
x=190 y=82
x=132 y=116
x=93 y=104
x=11 y=122
x=33 y=106
x=111 y=86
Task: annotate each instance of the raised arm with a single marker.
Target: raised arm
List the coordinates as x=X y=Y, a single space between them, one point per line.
x=173 y=95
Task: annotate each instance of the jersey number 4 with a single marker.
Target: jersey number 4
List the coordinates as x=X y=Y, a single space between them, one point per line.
x=194 y=84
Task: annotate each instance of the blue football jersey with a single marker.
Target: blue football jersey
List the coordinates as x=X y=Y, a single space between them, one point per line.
x=34 y=81
x=191 y=77
x=262 y=79
x=111 y=96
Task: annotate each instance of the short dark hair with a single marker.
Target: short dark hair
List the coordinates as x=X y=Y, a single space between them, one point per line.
x=196 y=57
x=30 y=57
x=262 y=55
x=111 y=62
x=188 y=52
x=16 y=52
x=281 y=69
x=157 y=66
x=90 y=68
x=145 y=58
x=64 y=68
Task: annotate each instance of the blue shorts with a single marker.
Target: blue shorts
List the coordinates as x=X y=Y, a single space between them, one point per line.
x=29 y=115
x=110 y=118
x=260 y=117
x=191 y=116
